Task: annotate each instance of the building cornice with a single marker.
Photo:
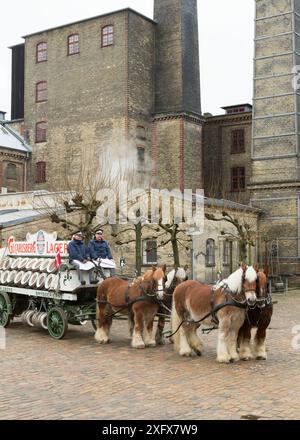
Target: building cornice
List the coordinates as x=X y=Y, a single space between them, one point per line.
x=272 y=185
x=191 y=117
x=242 y=117
x=119 y=11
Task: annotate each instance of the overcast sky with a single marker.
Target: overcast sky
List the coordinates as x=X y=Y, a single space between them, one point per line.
x=226 y=32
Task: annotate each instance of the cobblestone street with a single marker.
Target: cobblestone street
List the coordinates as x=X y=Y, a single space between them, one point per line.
x=76 y=378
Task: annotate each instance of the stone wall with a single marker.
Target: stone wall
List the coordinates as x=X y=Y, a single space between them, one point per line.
x=93 y=96
x=218 y=159
x=13 y=181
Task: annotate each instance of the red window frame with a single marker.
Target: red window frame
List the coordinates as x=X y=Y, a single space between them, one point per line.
x=40 y=172
x=41 y=131
x=238 y=141
x=73 y=44
x=41 y=52
x=107 y=36
x=238 y=179
x=41 y=93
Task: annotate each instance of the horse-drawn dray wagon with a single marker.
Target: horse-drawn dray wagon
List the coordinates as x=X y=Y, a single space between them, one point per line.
x=41 y=292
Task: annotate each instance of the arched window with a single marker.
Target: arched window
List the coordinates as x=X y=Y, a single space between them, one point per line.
x=226 y=253
x=41 y=52
x=141 y=133
x=210 y=258
x=140 y=158
x=11 y=172
x=40 y=172
x=41 y=132
x=41 y=91
x=107 y=36
x=73 y=44
x=149 y=251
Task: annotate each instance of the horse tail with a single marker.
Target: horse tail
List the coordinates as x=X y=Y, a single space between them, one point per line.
x=176 y=321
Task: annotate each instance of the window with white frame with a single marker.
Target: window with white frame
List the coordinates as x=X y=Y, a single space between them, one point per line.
x=149 y=251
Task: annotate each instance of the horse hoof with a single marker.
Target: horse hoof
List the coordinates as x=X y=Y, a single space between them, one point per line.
x=160 y=342
x=198 y=352
x=139 y=346
x=231 y=360
x=223 y=361
x=151 y=344
x=185 y=353
x=261 y=358
x=245 y=359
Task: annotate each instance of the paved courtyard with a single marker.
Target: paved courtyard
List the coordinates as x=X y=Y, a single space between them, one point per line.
x=78 y=379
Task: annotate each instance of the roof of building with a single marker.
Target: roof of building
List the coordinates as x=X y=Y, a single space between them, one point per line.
x=12 y=217
x=91 y=18
x=237 y=105
x=11 y=140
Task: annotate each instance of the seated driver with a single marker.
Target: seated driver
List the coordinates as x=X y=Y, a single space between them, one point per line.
x=99 y=249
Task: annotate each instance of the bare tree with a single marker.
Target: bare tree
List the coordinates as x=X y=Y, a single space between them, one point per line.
x=76 y=208
x=245 y=233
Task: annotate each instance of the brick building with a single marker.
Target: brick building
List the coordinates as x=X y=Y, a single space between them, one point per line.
x=120 y=79
x=124 y=80
x=15 y=155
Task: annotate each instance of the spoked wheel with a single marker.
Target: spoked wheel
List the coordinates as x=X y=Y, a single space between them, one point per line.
x=5 y=309
x=57 y=323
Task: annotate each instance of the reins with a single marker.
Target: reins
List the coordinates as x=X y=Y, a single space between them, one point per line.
x=216 y=309
x=150 y=297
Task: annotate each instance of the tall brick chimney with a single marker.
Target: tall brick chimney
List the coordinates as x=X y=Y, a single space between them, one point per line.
x=177 y=56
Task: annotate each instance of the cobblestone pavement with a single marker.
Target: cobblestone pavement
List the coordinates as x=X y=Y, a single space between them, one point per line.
x=76 y=378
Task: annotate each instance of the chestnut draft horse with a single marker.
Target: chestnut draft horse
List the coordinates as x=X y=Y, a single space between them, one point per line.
x=138 y=300
x=258 y=317
x=225 y=304
x=174 y=278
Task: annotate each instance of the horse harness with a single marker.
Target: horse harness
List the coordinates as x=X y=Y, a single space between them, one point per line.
x=145 y=296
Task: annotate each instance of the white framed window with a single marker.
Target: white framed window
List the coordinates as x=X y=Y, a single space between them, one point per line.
x=149 y=251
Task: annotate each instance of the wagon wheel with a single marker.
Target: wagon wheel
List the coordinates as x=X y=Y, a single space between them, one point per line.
x=57 y=322
x=5 y=309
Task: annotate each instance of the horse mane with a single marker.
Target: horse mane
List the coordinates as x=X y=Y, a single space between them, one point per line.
x=170 y=278
x=181 y=273
x=234 y=281
x=251 y=274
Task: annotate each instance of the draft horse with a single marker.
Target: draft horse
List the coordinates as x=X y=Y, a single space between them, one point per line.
x=258 y=317
x=138 y=300
x=174 y=278
x=225 y=304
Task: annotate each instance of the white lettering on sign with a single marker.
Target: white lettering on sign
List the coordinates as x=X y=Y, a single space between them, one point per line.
x=39 y=244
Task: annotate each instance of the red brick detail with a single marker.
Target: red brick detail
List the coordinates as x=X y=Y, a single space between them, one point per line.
x=154 y=151
x=181 y=153
x=126 y=77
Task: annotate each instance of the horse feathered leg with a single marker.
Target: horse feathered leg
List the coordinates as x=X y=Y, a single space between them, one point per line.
x=245 y=353
x=185 y=349
x=193 y=339
x=237 y=319
x=148 y=332
x=159 y=337
x=137 y=339
x=104 y=322
x=260 y=351
x=175 y=321
x=223 y=355
x=103 y=316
